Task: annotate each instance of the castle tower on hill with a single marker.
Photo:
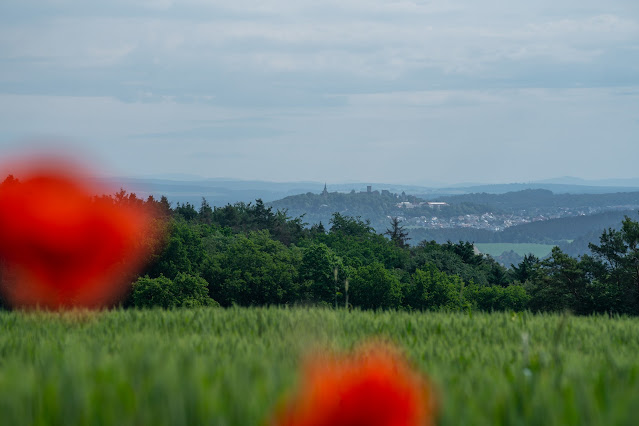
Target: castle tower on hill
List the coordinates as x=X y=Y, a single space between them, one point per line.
x=325 y=191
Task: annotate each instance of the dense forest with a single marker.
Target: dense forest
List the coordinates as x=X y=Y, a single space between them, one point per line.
x=248 y=254
x=253 y=255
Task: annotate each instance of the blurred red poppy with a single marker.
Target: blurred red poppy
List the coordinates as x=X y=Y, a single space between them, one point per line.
x=374 y=386
x=63 y=247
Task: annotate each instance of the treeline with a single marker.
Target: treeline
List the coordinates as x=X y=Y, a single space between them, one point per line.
x=250 y=255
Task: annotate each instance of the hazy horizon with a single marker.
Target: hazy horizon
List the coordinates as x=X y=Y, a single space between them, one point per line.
x=559 y=181
x=401 y=92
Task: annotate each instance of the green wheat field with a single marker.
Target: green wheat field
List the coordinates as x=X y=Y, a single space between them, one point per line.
x=232 y=366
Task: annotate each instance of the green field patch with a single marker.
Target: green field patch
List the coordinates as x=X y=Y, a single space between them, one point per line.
x=214 y=366
x=522 y=249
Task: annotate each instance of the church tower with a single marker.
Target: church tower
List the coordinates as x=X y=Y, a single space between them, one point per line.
x=325 y=191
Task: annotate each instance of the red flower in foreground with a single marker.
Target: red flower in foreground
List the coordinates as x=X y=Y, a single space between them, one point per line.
x=62 y=248
x=375 y=386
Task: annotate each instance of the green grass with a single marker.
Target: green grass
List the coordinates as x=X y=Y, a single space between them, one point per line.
x=496 y=249
x=230 y=367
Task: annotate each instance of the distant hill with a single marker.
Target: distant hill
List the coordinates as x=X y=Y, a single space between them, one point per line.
x=583 y=214
x=557 y=188
x=542 y=199
x=315 y=208
x=219 y=192
x=375 y=206
x=571 y=180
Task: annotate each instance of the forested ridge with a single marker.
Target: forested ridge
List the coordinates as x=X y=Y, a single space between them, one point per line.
x=373 y=206
x=527 y=216
x=251 y=255
x=248 y=254
x=532 y=199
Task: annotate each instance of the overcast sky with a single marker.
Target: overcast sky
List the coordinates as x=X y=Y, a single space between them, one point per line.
x=342 y=90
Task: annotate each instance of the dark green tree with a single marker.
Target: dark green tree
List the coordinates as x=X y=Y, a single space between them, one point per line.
x=205 y=214
x=374 y=287
x=254 y=270
x=397 y=233
x=614 y=268
x=351 y=226
x=191 y=291
x=317 y=269
x=183 y=251
x=527 y=269
x=561 y=285
x=496 y=298
x=431 y=289
x=153 y=292
x=186 y=211
x=185 y=291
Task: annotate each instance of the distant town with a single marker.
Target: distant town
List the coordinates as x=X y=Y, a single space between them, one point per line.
x=494 y=221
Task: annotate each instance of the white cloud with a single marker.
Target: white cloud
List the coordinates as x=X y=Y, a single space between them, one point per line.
x=462 y=86
x=336 y=38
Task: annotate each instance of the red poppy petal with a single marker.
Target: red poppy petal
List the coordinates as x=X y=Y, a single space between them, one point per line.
x=62 y=247
x=374 y=386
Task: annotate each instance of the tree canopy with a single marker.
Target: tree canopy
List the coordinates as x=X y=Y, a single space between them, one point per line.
x=250 y=255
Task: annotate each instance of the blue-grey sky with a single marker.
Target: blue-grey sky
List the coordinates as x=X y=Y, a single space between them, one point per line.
x=339 y=90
